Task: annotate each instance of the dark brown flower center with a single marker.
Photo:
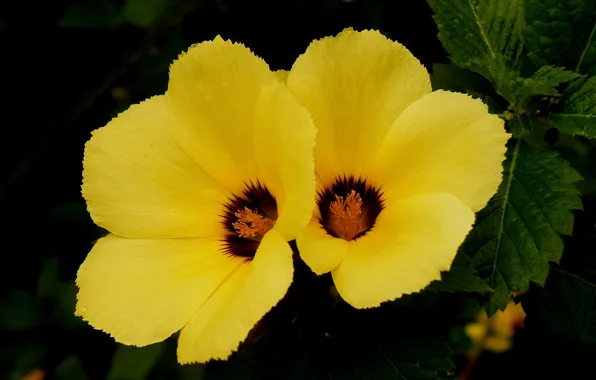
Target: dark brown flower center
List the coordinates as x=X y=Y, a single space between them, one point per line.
x=247 y=218
x=349 y=208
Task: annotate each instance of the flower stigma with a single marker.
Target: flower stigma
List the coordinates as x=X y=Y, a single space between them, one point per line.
x=247 y=219
x=349 y=208
x=251 y=224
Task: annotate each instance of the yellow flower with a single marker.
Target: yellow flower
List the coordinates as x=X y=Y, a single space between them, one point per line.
x=201 y=188
x=494 y=334
x=400 y=169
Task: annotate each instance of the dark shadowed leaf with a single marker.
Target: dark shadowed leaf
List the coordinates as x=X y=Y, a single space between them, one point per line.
x=562 y=33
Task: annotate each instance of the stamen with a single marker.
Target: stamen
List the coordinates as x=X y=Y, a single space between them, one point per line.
x=251 y=224
x=345 y=216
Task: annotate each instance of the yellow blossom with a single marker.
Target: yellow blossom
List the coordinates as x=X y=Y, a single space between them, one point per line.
x=201 y=189
x=421 y=163
x=495 y=333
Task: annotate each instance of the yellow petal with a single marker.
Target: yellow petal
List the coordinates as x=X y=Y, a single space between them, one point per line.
x=138 y=182
x=143 y=291
x=505 y=322
x=282 y=75
x=476 y=331
x=413 y=240
x=239 y=303
x=213 y=93
x=444 y=142
x=497 y=343
x=354 y=85
x=320 y=251
x=284 y=140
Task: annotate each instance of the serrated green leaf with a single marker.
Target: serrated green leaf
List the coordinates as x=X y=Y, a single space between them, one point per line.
x=460 y=278
x=520 y=126
x=484 y=36
x=19 y=312
x=144 y=13
x=579 y=111
x=531 y=128
x=565 y=307
x=518 y=232
x=562 y=33
x=91 y=14
x=548 y=77
x=134 y=363
x=542 y=83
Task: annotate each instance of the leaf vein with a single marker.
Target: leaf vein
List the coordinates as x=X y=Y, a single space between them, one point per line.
x=581 y=58
x=506 y=200
x=482 y=31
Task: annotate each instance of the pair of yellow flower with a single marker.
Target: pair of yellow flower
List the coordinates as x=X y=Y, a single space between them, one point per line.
x=350 y=154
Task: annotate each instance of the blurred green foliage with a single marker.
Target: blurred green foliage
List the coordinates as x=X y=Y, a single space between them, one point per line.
x=111 y=14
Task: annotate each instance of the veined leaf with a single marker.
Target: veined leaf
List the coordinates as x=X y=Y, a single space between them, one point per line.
x=542 y=82
x=579 y=112
x=484 y=36
x=518 y=232
x=462 y=277
x=562 y=33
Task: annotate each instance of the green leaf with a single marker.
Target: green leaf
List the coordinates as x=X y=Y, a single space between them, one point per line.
x=143 y=13
x=453 y=78
x=579 y=111
x=48 y=282
x=562 y=33
x=91 y=14
x=565 y=307
x=65 y=300
x=70 y=369
x=416 y=359
x=19 y=312
x=460 y=278
x=542 y=82
x=518 y=232
x=484 y=36
x=134 y=363
x=421 y=358
x=531 y=128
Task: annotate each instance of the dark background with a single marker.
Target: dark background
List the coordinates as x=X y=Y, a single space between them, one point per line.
x=65 y=74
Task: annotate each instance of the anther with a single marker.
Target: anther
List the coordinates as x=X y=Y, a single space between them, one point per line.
x=345 y=216
x=251 y=224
